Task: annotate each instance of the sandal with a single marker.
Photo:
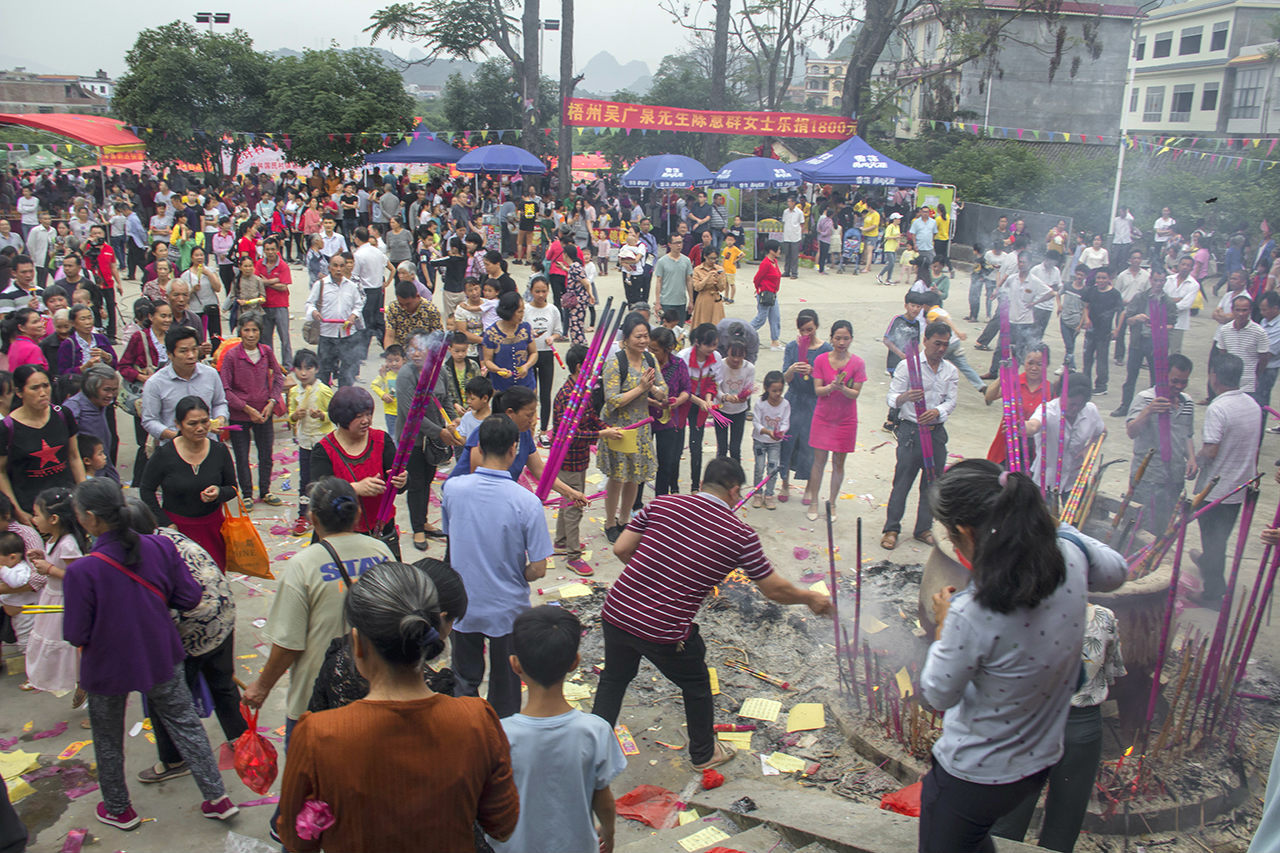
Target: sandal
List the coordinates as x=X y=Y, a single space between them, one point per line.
x=889 y=541
x=726 y=754
x=812 y=514
x=926 y=538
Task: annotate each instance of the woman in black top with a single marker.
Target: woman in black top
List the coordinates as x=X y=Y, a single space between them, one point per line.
x=37 y=443
x=198 y=477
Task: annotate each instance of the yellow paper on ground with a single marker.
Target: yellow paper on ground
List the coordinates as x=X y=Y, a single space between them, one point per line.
x=575 y=692
x=821 y=586
x=625 y=444
x=715 y=680
x=705 y=838
x=575 y=590
x=904 y=682
x=14 y=764
x=806 y=716
x=737 y=740
x=761 y=709
x=19 y=790
x=786 y=763
x=688 y=816
x=872 y=625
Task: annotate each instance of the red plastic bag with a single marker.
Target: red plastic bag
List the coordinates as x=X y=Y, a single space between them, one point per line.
x=650 y=804
x=255 y=756
x=906 y=801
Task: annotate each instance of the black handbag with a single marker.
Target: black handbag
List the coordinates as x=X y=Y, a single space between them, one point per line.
x=766 y=298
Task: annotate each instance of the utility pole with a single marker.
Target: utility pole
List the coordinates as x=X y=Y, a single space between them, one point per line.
x=1124 y=104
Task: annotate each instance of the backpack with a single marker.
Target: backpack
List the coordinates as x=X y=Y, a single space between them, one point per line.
x=624 y=366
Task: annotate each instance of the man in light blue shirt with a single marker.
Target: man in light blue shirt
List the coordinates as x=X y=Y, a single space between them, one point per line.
x=923 y=229
x=183 y=376
x=498 y=542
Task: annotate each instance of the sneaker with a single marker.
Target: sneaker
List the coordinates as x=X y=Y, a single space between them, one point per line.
x=777 y=347
x=301 y=527
x=769 y=502
x=1120 y=412
x=162 y=772
x=757 y=502
x=126 y=820
x=581 y=568
x=219 y=809
x=271 y=499
x=1101 y=389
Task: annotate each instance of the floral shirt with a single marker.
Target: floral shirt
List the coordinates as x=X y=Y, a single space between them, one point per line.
x=403 y=324
x=1103 y=662
x=207 y=625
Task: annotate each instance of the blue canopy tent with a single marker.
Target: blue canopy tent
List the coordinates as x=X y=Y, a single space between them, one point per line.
x=667 y=172
x=856 y=162
x=501 y=160
x=756 y=173
x=425 y=149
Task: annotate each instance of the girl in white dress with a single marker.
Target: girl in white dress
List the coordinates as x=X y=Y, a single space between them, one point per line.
x=53 y=664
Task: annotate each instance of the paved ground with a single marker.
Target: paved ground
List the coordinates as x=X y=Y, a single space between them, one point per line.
x=174 y=805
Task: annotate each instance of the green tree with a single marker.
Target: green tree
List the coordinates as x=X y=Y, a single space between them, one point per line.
x=324 y=98
x=184 y=89
x=491 y=99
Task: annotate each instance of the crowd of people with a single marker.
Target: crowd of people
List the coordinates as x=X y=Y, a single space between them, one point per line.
x=205 y=362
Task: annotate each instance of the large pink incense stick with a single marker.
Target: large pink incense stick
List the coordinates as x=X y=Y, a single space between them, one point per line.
x=436 y=354
x=757 y=487
x=1062 y=434
x=915 y=379
x=835 y=590
x=1169 y=608
x=638 y=424
x=857 y=598
x=1214 y=659
x=1044 y=411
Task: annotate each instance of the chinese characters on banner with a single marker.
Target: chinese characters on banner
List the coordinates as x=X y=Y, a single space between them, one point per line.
x=582 y=112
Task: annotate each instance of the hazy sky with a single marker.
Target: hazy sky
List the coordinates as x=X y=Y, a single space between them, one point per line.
x=102 y=33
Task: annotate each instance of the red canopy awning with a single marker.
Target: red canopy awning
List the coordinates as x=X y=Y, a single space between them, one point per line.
x=98 y=131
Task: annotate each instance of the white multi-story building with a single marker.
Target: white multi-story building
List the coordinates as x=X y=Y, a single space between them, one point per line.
x=1206 y=68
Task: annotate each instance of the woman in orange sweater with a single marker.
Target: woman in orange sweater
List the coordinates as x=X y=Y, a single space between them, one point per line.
x=359 y=760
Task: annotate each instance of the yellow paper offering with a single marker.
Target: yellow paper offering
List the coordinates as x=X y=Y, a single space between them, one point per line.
x=904 y=682
x=707 y=837
x=872 y=625
x=806 y=716
x=737 y=740
x=575 y=590
x=786 y=763
x=14 y=764
x=19 y=790
x=688 y=816
x=761 y=709
x=821 y=586
x=625 y=444
x=715 y=680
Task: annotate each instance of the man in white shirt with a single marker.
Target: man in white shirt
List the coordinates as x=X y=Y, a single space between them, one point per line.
x=1232 y=433
x=1163 y=228
x=338 y=299
x=1083 y=426
x=29 y=209
x=1245 y=339
x=1132 y=280
x=334 y=242
x=1269 y=305
x=940 y=381
x=40 y=243
x=1182 y=289
x=8 y=239
x=792 y=231
x=1048 y=271
x=371 y=273
x=1025 y=292
x=923 y=229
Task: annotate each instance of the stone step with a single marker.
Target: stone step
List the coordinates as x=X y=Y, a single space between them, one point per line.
x=759 y=839
x=815 y=847
x=668 y=840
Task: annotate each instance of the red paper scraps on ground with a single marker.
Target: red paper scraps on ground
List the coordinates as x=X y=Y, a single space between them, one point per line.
x=711 y=779
x=906 y=801
x=650 y=804
x=53 y=732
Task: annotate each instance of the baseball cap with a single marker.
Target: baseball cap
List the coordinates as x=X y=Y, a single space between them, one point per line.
x=895 y=216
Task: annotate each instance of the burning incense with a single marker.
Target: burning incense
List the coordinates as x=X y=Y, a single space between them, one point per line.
x=422 y=398
x=1158 y=313
x=1062 y=435
x=1169 y=607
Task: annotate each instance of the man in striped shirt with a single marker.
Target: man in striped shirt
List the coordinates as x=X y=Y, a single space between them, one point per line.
x=1163 y=482
x=676 y=550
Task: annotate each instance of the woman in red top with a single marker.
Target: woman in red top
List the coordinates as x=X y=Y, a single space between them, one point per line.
x=768 y=280
x=361 y=455
x=557 y=266
x=143 y=356
x=1032 y=381
x=248 y=243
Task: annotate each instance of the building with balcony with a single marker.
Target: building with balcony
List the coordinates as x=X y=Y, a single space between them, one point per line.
x=1207 y=68
x=21 y=92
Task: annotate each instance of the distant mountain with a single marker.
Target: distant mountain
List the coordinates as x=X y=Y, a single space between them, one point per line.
x=604 y=75
x=421 y=74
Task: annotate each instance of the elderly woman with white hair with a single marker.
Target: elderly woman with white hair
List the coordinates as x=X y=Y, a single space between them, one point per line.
x=406 y=271
x=94 y=408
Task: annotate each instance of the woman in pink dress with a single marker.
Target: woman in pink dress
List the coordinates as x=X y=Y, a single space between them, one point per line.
x=837 y=380
x=22 y=331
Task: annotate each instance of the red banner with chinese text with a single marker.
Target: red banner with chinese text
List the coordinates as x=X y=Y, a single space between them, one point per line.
x=582 y=112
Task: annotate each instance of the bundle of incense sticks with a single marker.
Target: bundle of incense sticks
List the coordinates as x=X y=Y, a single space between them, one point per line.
x=1010 y=414
x=1128 y=496
x=638 y=424
x=1044 y=411
x=720 y=419
x=556 y=353
x=580 y=396
x=1158 y=312
x=1262 y=589
x=1020 y=429
x=437 y=352
x=1167 y=622
x=1083 y=481
x=802 y=346
x=915 y=380
x=757 y=487
x=563 y=502
x=1062 y=435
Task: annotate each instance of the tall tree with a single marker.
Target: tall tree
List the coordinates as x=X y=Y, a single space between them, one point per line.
x=467 y=29
x=491 y=100
x=324 y=99
x=568 y=82
x=186 y=89
x=712 y=144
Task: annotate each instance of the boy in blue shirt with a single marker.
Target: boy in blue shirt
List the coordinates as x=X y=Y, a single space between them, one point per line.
x=563 y=760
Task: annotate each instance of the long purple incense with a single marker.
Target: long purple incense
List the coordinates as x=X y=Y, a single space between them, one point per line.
x=1224 y=614
x=915 y=378
x=1044 y=410
x=835 y=591
x=1158 y=312
x=1062 y=433
x=1253 y=595
x=1008 y=377
x=1019 y=406
x=857 y=590
x=436 y=353
x=760 y=485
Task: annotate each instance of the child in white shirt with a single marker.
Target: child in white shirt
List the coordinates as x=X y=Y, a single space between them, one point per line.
x=735 y=382
x=771 y=419
x=15 y=585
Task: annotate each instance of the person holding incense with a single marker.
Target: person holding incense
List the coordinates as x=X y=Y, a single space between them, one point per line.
x=573 y=471
x=435 y=441
x=631 y=380
x=507 y=347
x=362 y=456
x=797 y=371
x=1162 y=482
x=701 y=356
x=1082 y=423
x=668 y=427
x=676 y=551
x=837 y=382
x=939 y=384
x=1032 y=380
x=1232 y=433
x=1003 y=664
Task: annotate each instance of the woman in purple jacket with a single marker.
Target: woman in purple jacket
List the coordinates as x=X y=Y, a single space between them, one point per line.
x=142 y=576
x=254 y=384
x=84 y=347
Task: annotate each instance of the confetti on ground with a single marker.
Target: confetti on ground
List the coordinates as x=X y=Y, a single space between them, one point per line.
x=872 y=625
x=715 y=680
x=737 y=740
x=53 y=732
x=801 y=553
x=73 y=750
x=264 y=801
